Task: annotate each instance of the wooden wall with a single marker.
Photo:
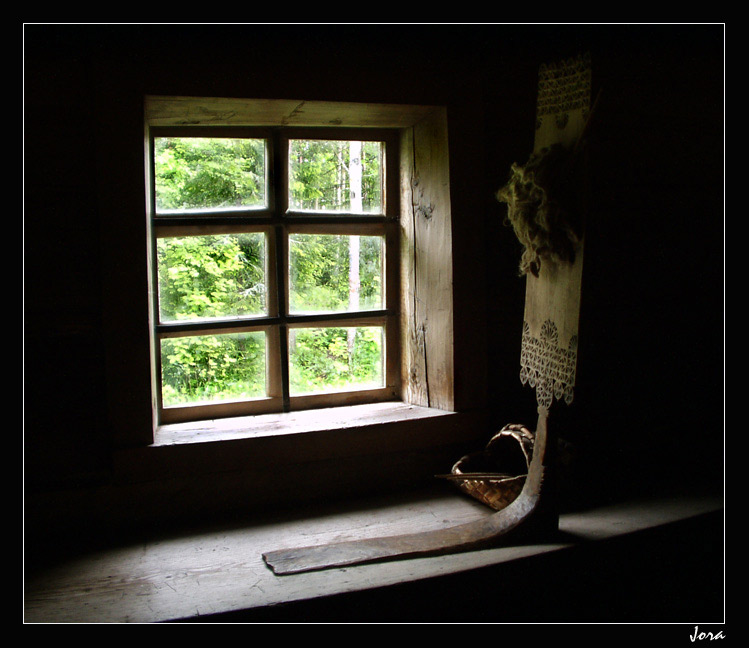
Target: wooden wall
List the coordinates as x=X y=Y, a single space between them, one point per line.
x=649 y=397
x=648 y=409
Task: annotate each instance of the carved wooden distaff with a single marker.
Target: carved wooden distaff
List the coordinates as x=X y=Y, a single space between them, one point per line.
x=548 y=363
x=472 y=535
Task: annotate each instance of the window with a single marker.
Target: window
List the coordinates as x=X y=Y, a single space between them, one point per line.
x=425 y=364
x=274 y=269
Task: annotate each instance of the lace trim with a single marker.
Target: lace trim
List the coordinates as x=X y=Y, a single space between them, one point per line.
x=547 y=366
x=564 y=87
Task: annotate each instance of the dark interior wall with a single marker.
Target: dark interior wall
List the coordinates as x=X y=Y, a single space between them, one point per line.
x=648 y=409
x=649 y=392
x=654 y=310
x=64 y=395
x=664 y=211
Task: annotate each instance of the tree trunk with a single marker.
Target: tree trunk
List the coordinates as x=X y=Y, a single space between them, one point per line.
x=355 y=191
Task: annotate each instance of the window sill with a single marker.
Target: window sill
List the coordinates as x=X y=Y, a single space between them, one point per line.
x=217 y=573
x=293 y=423
x=208 y=472
x=274 y=459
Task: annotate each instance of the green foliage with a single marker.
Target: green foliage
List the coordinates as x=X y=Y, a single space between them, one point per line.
x=223 y=275
x=319 y=179
x=211 y=276
x=209 y=172
x=212 y=367
x=319 y=272
x=329 y=358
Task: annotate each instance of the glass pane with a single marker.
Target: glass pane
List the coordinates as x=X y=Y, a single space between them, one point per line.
x=211 y=368
x=323 y=278
x=335 y=176
x=203 y=277
x=335 y=359
x=208 y=173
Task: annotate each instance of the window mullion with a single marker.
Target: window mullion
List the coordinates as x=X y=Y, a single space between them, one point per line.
x=279 y=196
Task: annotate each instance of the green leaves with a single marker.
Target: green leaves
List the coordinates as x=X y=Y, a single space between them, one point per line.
x=194 y=173
x=319 y=175
x=320 y=268
x=209 y=276
x=219 y=275
x=325 y=359
x=212 y=367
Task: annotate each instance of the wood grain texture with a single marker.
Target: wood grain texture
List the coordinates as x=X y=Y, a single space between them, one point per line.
x=178 y=111
x=426 y=265
x=220 y=569
x=473 y=535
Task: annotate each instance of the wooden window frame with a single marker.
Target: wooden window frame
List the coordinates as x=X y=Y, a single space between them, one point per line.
x=427 y=371
x=276 y=221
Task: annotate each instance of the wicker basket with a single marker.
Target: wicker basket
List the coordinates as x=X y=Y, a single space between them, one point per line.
x=496 y=475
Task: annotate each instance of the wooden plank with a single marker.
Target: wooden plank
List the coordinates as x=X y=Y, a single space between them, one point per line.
x=293 y=423
x=342 y=398
x=426 y=265
x=220 y=569
x=178 y=111
x=260 y=459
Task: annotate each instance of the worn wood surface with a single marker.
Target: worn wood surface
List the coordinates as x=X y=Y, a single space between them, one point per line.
x=481 y=533
x=177 y=111
x=426 y=265
x=295 y=423
x=220 y=569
